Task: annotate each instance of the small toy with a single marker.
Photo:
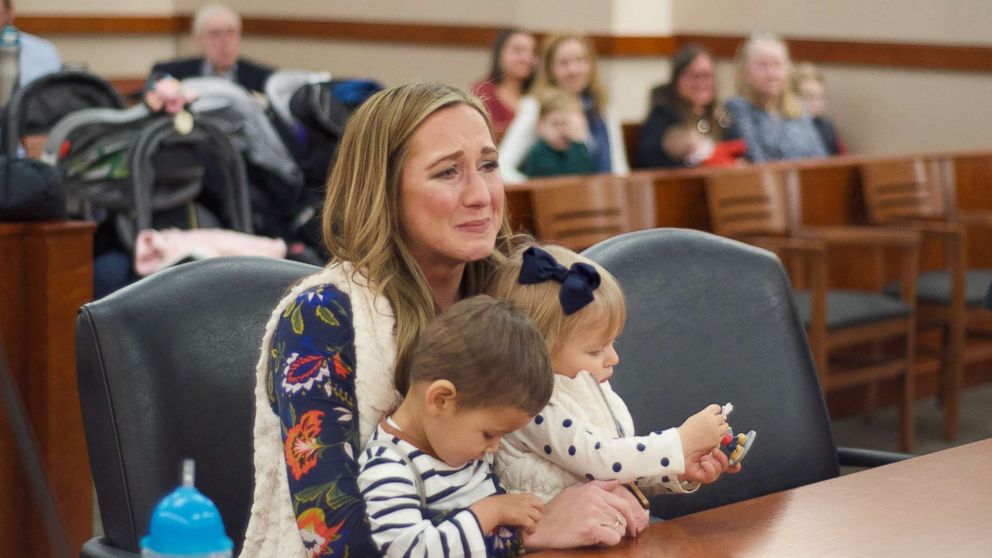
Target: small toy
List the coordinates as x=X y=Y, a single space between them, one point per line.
x=735 y=446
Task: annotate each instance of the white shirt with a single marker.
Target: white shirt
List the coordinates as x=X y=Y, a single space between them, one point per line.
x=38 y=58
x=584 y=433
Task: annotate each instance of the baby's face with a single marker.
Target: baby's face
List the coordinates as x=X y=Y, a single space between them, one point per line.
x=591 y=350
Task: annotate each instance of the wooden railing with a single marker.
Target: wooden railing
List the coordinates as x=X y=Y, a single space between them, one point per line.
x=830 y=192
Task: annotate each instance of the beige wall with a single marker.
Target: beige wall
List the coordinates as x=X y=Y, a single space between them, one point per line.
x=877 y=110
x=927 y=21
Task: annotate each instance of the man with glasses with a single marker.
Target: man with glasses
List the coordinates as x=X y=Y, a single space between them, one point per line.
x=217 y=32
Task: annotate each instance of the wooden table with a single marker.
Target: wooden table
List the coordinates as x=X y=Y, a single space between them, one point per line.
x=934 y=505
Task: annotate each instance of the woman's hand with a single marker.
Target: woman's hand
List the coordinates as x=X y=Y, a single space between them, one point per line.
x=639 y=516
x=582 y=515
x=706 y=466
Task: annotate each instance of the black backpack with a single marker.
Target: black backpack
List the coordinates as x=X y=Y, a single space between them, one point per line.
x=30 y=191
x=323 y=109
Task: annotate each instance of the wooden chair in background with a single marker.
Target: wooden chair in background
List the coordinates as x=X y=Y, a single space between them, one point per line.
x=920 y=194
x=579 y=211
x=760 y=207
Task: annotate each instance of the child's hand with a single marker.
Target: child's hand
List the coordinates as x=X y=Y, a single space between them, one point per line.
x=703 y=430
x=515 y=510
x=576 y=127
x=706 y=466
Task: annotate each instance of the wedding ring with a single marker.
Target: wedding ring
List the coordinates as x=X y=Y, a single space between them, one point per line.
x=619 y=521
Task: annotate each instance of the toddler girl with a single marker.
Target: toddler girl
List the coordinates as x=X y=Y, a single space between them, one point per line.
x=585 y=432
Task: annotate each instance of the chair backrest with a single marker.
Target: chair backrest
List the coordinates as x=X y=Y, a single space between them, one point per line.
x=583 y=210
x=904 y=189
x=711 y=320
x=748 y=202
x=166 y=370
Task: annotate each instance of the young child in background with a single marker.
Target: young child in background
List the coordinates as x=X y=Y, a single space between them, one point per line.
x=478 y=372
x=685 y=143
x=586 y=432
x=562 y=134
x=808 y=83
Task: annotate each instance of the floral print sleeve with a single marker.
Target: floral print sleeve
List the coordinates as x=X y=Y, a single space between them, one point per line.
x=312 y=389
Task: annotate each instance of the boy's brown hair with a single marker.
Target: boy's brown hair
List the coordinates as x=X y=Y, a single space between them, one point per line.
x=492 y=353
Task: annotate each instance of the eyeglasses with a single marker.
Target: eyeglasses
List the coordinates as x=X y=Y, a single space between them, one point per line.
x=699 y=76
x=221 y=33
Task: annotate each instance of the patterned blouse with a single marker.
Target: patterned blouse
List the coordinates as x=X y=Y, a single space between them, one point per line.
x=312 y=389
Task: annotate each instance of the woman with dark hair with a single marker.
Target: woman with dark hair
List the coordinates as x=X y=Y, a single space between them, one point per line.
x=513 y=67
x=687 y=103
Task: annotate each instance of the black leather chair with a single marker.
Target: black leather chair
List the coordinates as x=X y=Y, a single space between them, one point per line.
x=711 y=320
x=167 y=370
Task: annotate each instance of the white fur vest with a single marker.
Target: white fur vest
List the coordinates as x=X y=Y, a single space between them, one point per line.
x=272 y=530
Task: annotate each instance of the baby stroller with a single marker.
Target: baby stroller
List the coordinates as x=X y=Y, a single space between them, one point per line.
x=36 y=108
x=138 y=170
x=130 y=170
x=279 y=202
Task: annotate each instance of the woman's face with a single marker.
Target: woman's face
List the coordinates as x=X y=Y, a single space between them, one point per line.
x=517 y=59
x=571 y=66
x=767 y=70
x=697 y=83
x=451 y=193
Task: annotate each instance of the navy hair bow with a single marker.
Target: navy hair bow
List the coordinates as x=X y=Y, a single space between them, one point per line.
x=577 y=282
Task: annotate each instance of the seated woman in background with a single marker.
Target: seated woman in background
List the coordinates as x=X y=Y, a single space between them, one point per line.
x=562 y=133
x=766 y=114
x=568 y=63
x=510 y=77
x=687 y=101
x=807 y=81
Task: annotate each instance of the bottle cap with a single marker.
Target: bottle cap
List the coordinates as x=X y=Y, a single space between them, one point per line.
x=9 y=36
x=186 y=522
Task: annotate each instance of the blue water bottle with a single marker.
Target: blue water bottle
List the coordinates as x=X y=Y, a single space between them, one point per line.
x=10 y=62
x=186 y=524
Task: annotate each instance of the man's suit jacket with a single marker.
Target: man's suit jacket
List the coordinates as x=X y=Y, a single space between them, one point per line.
x=250 y=75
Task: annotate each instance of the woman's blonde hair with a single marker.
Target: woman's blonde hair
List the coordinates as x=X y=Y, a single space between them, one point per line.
x=804 y=72
x=540 y=301
x=788 y=105
x=360 y=216
x=545 y=80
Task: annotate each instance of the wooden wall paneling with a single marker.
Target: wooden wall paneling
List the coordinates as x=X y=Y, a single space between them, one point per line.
x=60 y=280
x=680 y=200
x=13 y=494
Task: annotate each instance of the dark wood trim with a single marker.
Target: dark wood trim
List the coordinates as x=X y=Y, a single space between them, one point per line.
x=909 y=55
x=379 y=32
x=104 y=25
x=857 y=53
